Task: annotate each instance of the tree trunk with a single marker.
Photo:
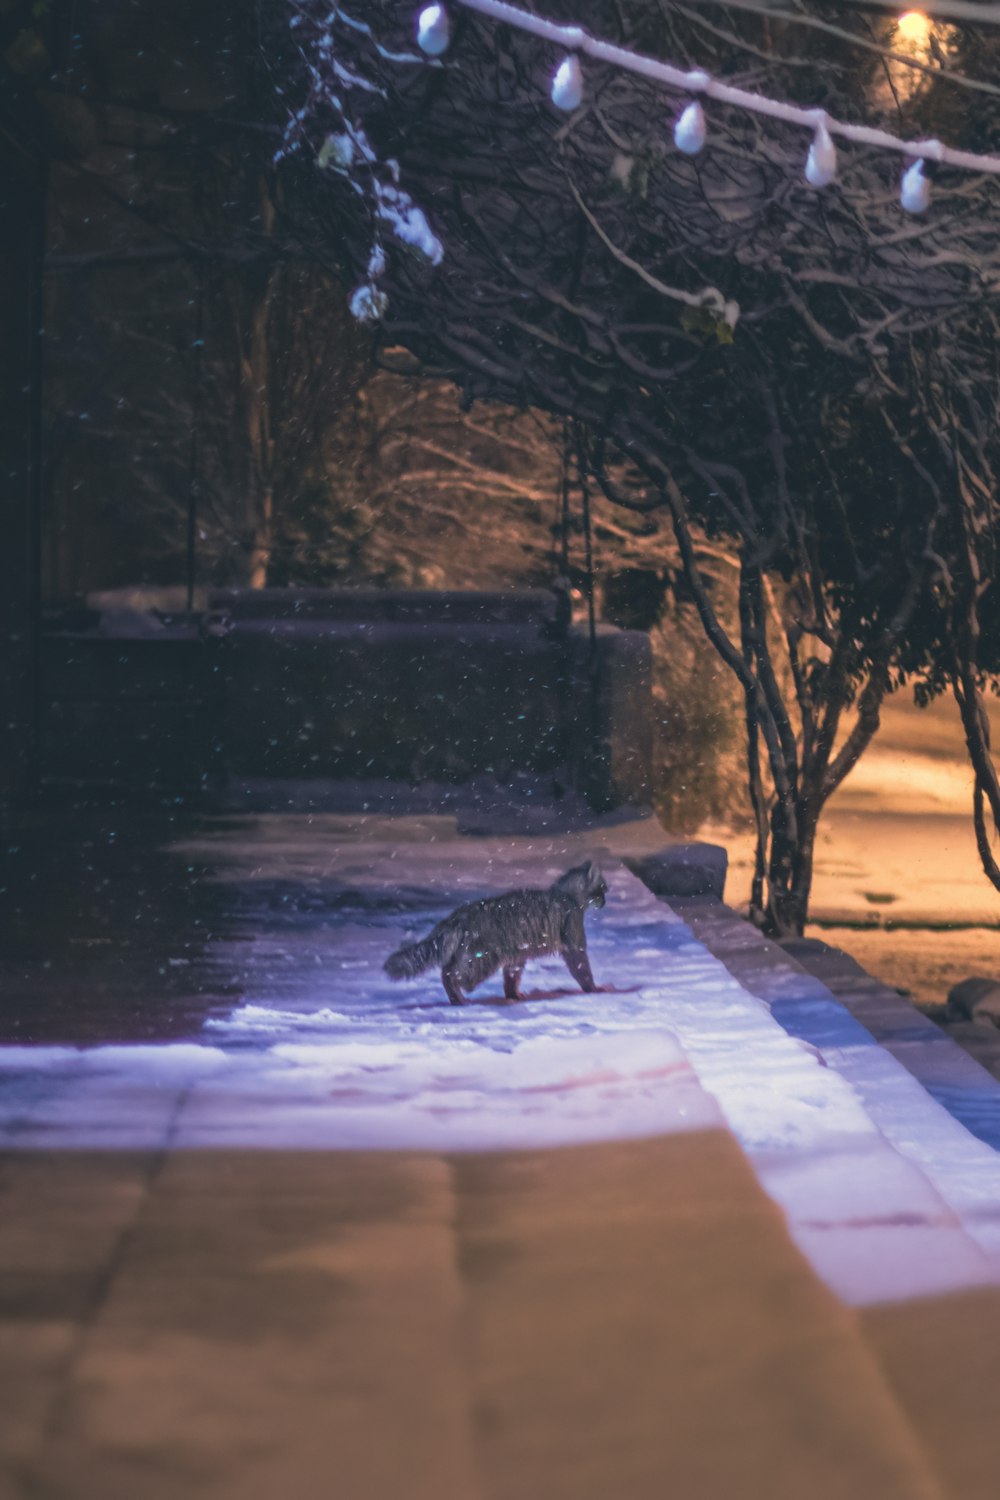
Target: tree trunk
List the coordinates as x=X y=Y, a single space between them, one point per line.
x=790 y=873
x=259 y=560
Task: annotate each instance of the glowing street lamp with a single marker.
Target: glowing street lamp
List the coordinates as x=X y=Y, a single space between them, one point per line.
x=914 y=27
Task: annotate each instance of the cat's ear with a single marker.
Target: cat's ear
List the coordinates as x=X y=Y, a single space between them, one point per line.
x=593 y=873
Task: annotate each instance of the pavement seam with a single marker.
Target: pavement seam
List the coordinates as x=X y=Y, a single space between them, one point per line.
x=466 y=1333
x=64 y=1378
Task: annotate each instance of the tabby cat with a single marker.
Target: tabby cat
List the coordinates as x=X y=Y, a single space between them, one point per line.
x=504 y=932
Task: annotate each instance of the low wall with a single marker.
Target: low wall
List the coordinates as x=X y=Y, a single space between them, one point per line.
x=128 y=712
x=611 y=715
x=398 y=685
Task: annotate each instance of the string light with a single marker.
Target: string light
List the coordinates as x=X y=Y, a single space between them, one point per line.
x=821 y=163
x=394 y=207
x=433 y=30
x=579 y=41
x=433 y=33
x=915 y=189
x=689 y=132
x=567 y=84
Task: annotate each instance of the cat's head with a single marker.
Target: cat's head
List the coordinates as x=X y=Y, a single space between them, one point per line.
x=585 y=884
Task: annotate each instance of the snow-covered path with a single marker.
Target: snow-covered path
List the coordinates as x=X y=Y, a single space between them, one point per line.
x=886 y=1194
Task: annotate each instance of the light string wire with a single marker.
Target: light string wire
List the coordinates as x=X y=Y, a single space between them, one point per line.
x=696 y=82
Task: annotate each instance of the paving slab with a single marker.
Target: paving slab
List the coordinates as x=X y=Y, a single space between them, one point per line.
x=940 y=1359
x=641 y=1321
x=569 y=1323
x=273 y=1325
x=64 y=1220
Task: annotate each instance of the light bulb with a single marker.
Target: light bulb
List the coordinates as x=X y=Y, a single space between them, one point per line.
x=689 y=132
x=915 y=189
x=821 y=163
x=567 y=83
x=433 y=30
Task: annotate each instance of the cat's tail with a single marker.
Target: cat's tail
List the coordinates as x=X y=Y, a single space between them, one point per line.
x=414 y=958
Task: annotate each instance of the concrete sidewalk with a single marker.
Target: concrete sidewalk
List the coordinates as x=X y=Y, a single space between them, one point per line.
x=626 y=1319
x=200 y=1298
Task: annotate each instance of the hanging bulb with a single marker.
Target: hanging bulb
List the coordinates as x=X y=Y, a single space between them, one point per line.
x=915 y=189
x=433 y=30
x=689 y=132
x=567 y=83
x=821 y=163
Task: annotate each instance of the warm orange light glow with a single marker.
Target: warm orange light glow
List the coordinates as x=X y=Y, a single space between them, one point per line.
x=914 y=26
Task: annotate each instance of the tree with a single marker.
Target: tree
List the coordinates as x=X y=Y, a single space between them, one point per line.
x=193 y=354
x=802 y=372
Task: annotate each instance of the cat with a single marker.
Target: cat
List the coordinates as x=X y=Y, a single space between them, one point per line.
x=505 y=931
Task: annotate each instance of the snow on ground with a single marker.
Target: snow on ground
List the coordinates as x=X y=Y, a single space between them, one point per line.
x=324 y=1052
x=896 y=841
x=896 y=845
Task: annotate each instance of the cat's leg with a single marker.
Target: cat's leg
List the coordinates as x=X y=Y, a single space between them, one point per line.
x=512 y=981
x=578 y=965
x=451 y=986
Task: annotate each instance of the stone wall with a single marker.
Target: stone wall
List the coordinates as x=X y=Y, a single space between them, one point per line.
x=400 y=685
